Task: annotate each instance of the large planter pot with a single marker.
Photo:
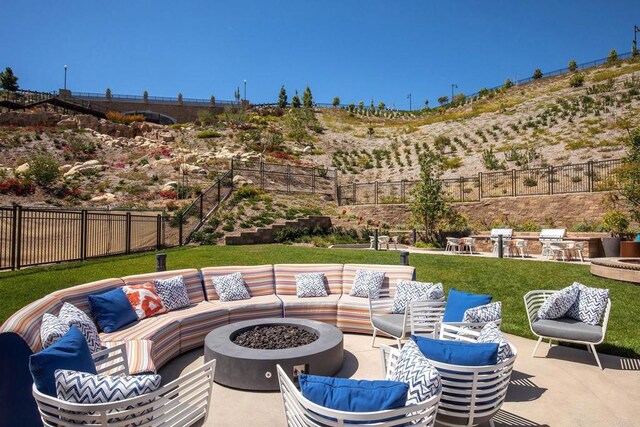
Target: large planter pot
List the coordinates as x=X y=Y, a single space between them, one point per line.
x=611 y=246
x=630 y=249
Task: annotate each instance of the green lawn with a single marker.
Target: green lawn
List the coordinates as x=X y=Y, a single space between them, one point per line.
x=507 y=280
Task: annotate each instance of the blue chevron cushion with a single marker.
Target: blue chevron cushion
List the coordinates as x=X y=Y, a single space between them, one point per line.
x=69 y=352
x=458 y=352
x=80 y=387
x=344 y=394
x=458 y=302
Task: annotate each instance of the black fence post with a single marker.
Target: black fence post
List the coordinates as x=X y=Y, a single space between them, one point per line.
x=201 y=197
x=83 y=235
x=159 y=232
x=161 y=262
x=550 y=179
x=500 y=248
x=404 y=258
x=14 y=235
x=414 y=236
x=375 y=239
x=479 y=186
x=513 y=183
x=127 y=236
x=375 y=193
x=18 y=238
x=590 y=175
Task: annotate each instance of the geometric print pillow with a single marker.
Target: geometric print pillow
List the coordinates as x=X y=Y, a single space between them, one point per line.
x=590 y=304
x=230 y=287
x=144 y=300
x=491 y=312
x=559 y=303
x=415 y=369
x=367 y=281
x=51 y=330
x=80 y=387
x=409 y=290
x=491 y=333
x=310 y=285
x=172 y=292
x=73 y=316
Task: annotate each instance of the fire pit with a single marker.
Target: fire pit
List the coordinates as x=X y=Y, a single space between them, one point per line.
x=249 y=363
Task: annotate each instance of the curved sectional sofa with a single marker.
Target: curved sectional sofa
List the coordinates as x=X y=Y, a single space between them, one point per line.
x=152 y=342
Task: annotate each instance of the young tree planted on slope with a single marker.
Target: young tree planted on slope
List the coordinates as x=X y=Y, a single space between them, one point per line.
x=537 y=74
x=295 y=101
x=282 y=98
x=508 y=83
x=573 y=65
x=336 y=101
x=8 y=80
x=443 y=100
x=629 y=175
x=429 y=204
x=381 y=105
x=613 y=57
x=307 y=98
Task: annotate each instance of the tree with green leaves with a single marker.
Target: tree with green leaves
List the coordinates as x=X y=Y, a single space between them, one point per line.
x=107 y=94
x=443 y=100
x=282 y=98
x=145 y=96
x=236 y=95
x=180 y=98
x=295 y=101
x=429 y=204
x=336 y=101
x=43 y=169
x=372 y=107
x=8 y=80
x=508 y=83
x=573 y=65
x=628 y=175
x=426 y=104
x=381 y=105
x=352 y=107
x=613 y=57
x=307 y=98
x=361 y=105
x=537 y=74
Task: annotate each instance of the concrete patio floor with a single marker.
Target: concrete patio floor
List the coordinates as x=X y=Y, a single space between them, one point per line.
x=561 y=386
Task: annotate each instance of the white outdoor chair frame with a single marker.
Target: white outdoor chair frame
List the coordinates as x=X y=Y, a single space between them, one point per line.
x=302 y=412
x=179 y=403
x=383 y=305
x=471 y=395
x=426 y=316
x=533 y=300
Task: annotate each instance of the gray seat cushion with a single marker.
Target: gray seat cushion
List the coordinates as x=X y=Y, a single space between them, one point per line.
x=389 y=323
x=566 y=328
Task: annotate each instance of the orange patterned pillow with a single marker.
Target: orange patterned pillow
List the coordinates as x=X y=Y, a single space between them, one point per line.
x=144 y=299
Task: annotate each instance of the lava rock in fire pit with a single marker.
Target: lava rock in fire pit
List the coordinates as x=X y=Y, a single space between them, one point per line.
x=275 y=337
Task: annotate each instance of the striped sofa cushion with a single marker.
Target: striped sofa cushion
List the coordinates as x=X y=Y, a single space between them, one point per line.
x=197 y=321
x=190 y=276
x=322 y=309
x=392 y=274
x=26 y=321
x=78 y=295
x=139 y=356
x=353 y=315
x=258 y=278
x=162 y=330
x=259 y=307
x=285 y=276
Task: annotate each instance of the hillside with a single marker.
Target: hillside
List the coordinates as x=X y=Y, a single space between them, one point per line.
x=547 y=122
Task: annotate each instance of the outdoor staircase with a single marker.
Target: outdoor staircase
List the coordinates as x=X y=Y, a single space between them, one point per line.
x=267 y=234
x=23 y=100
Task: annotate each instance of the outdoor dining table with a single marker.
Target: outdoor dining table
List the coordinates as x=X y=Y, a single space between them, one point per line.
x=563 y=246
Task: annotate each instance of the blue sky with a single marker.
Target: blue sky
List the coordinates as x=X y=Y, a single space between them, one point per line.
x=357 y=50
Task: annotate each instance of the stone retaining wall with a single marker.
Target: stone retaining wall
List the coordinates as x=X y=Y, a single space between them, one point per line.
x=267 y=234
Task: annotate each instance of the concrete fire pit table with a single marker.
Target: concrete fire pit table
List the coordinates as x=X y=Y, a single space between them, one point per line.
x=252 y=369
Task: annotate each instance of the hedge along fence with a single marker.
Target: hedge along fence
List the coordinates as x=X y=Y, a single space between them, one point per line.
x=575 y=178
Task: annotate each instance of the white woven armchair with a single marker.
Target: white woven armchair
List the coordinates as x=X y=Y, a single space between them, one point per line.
x=179 y=403
x=564 y=329
x=471 y=395
x=302 y=412
x=426 y=316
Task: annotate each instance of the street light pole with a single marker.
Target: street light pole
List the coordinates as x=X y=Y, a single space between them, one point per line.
x=65 y=76
x=634 y=51
x=409 y=96
x=453 y=86
x=245 y=90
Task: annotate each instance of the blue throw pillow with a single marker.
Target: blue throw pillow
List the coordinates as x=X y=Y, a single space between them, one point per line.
x=458 y=302
x=112 y=310
x=344 y=394
x=69 y=352
x=458 y=352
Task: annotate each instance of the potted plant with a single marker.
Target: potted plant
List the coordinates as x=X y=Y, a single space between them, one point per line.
x=616 y=223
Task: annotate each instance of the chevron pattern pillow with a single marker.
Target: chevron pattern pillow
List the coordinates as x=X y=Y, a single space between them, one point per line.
x=409 y=290
x=79 y=387
x=73 y=316
x=590 y=304
x=310 y=285
x=484 y=313
x=230 y=287
x=367 y=281
x=491 y=333
x=51 y=329
x=559 y=303
x=415 y=369
x=172 y=292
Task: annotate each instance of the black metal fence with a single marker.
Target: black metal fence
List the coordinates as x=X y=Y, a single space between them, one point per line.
x=35 y=236
x=576 y=178
x=287 y=178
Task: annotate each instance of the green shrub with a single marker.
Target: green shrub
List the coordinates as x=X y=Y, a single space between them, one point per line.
x=615 y=222
x=576 y=80
x=537 y=74
x=209 y=133
x=43 y=169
